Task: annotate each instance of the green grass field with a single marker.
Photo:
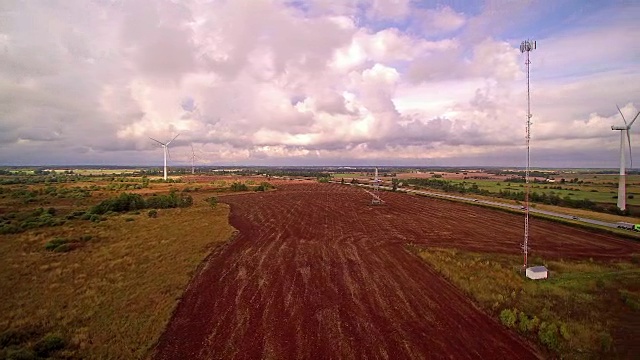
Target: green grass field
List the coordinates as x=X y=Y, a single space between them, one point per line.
x=585 y=309
x=600 y=192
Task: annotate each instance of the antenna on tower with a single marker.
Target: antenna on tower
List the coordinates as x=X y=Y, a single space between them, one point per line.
x=527 y=46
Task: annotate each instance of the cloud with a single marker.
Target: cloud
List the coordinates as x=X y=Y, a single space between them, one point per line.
x=307 y=81
x=437 y=21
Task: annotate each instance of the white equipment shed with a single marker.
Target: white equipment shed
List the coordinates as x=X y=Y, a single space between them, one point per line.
x=537 y=272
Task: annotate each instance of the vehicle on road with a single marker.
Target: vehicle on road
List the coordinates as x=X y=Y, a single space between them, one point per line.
x=575 y=218
x=627 y=226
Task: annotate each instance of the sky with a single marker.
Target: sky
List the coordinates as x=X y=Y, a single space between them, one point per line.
x=317 y=82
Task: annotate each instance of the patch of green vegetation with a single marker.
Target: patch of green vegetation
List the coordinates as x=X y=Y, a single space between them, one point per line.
x=264 y=186
x=27 y=344
x=17 y=222
x=131 y=202
x=573 y=313
x=213 y=201
x=573 y=193
x=238 y=186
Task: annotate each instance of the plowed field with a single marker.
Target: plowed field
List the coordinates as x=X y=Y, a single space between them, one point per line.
x=317 y=272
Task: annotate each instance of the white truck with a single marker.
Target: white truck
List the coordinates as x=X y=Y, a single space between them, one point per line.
x=627 y=226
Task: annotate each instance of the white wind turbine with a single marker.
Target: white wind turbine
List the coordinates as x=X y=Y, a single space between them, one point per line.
x=193 y=161
x=165 y=147
x=624 y=130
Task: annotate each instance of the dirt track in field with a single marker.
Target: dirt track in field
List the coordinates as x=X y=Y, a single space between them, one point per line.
x=316 y=272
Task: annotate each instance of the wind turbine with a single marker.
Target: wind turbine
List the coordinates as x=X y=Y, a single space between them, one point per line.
x=193 y=161
x=624 y=130
x=165 y=147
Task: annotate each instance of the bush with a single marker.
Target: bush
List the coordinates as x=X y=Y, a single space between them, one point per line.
x=508 y=317
x=129 y=219
x=48 y=344
x=237 y=186
x=9 y=229
x=153 y=213
x=213 y=201
x=55 y=243
x=525 y=324
x=63 y=248
x=548 y=335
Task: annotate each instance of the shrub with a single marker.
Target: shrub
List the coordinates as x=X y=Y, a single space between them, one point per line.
x=48 y=344
x=525 y=324
x=153 y=213
x=237 y=186
x=213 y=201
x=548 y=335
x=9 y=229
x=129 y=219
x=63 y=248
x=508 y=317
x=52 y=245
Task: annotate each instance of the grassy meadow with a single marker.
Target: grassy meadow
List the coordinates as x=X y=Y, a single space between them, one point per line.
x=603 y=190
x=585 y=310
x=101 y=286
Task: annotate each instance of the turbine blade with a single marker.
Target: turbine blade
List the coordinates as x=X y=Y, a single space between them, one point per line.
x=168 y=152
x=620 y=111
x=156 y=141
x=634 y=119
x=173 y=138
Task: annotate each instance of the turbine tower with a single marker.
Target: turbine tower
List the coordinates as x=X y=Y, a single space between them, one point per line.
x=624 y=130
x=193 y=161
x=165 y=147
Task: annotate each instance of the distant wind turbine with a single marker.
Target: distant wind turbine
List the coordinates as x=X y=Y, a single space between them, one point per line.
x=165 y=147
x=193 y=161
x=624 y=130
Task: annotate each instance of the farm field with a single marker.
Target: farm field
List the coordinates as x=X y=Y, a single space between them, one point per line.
x=318 y=272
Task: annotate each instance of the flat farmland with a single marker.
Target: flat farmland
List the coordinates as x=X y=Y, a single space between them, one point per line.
x=317 y=272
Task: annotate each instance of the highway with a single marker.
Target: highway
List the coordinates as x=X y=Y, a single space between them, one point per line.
x=499 y=204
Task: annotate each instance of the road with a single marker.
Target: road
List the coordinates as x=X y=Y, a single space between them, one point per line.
x=500 y=204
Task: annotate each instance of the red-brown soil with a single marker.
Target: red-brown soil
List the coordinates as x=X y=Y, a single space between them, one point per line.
x=317 y=272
